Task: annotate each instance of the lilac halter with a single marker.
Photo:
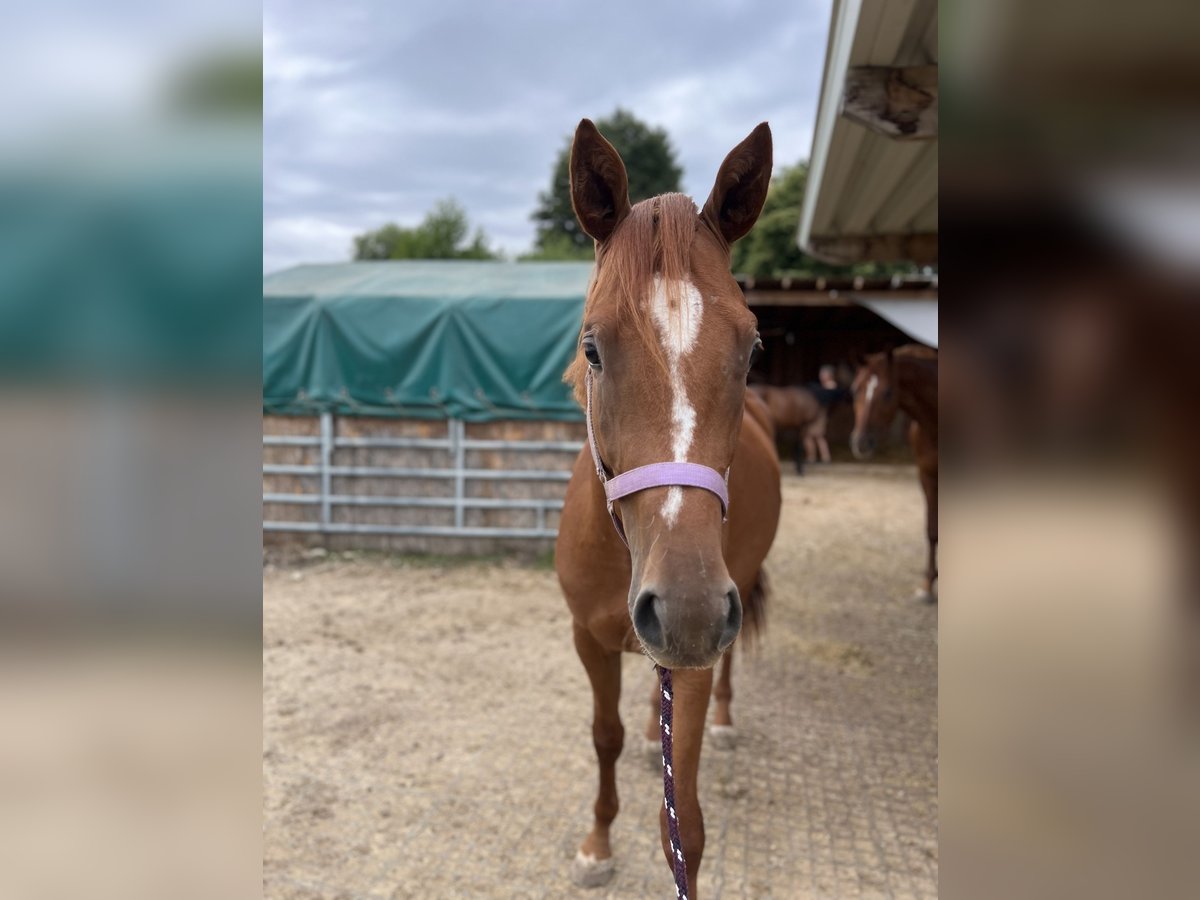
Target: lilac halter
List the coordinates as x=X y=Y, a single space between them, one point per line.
x=664 y=474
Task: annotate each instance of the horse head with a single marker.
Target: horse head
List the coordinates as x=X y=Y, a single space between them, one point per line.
x=666 y=343
x=875 y=402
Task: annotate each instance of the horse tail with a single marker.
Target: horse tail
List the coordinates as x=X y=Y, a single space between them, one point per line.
x=754 y=609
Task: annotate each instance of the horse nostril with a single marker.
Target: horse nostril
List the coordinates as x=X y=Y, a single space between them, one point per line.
x=646 y=619
x=733 y=618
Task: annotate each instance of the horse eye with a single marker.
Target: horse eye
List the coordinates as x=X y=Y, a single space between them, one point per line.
x=590 y=351
x=755 y=352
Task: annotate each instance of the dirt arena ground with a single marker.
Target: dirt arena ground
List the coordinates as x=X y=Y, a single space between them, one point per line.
x=427 y=725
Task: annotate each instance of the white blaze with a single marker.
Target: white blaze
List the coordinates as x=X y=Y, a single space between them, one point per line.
x=678 y=327
x=872 y=383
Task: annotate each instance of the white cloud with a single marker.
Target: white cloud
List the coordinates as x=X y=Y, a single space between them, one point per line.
x=372 y=115
x=304 y=239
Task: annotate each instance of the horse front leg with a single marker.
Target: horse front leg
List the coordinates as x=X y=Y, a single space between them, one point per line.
x=724 y=737
x=651 y=740
x=594 y=865
x=690 y=708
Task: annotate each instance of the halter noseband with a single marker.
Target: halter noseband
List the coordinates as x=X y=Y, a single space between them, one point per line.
x=663 y=474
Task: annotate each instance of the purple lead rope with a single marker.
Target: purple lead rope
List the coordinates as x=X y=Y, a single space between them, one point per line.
x=678 y=863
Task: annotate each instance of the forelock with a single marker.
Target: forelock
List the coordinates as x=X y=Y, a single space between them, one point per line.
x=654 y=239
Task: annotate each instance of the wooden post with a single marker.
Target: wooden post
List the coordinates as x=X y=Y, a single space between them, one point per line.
x=326 y=462
x=457 y=432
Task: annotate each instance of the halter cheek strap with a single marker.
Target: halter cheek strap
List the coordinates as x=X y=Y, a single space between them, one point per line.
x=664 y=474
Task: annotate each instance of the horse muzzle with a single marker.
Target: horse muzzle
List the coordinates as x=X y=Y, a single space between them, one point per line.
x=862 y=445
x=686 y=626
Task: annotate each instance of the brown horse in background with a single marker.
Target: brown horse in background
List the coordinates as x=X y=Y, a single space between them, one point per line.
x=667 y=338
x=795 y=409
x=904 y=378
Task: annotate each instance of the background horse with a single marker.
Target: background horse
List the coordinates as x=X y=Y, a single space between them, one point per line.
x=664 y=349
x=795 y=409
x=904 y=378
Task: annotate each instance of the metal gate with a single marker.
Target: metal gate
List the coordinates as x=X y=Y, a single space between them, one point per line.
x=458 y=476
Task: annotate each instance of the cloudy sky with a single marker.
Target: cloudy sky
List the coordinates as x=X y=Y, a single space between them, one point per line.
x=374 y=110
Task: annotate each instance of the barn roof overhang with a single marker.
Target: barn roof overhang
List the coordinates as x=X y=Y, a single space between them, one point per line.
x=910 y=303
x=839 y=291
x=872 y=184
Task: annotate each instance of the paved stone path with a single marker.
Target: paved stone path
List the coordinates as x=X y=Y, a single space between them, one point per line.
x=427 y=725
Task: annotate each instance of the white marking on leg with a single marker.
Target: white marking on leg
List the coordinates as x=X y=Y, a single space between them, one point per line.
x=679 y=327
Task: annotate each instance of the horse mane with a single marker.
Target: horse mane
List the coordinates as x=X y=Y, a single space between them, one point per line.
x=916 y=352
x=913 y=359
x=655 y=239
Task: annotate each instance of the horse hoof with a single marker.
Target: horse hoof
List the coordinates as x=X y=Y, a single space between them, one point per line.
x=589 y=872
x=923 y=596
x=652 y=753
x=724 y=737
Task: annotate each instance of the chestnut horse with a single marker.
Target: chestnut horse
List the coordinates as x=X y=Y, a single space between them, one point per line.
x=904 y=378
x=798 y=409
x=664 y=350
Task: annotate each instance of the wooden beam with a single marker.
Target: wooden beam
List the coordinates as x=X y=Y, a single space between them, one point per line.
x=795 y=298
x=899 y=103
x=827 y=298
x=921 y=249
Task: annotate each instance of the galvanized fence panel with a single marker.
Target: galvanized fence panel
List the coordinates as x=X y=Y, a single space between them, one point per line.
x=455 y=446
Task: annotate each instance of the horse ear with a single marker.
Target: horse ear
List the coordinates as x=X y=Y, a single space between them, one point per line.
x=741 y=188
x=599 y=185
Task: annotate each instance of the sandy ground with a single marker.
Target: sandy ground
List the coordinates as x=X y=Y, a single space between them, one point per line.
x=427 y=725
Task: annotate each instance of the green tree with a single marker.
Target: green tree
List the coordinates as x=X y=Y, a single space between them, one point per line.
x=558 y=247
x=443 y=234
x=649 y=161
x=770 y=249
x=225 y=83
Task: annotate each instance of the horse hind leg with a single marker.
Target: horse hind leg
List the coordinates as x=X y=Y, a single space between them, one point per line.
x=722 y=732
x=929 y=483
x=754 y=605
x=928 y=591
x=594 y=865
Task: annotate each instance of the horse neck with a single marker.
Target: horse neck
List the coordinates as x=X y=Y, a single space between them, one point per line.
x=916 y=387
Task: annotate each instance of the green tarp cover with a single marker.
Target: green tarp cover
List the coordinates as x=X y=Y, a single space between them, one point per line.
x=426 y=339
